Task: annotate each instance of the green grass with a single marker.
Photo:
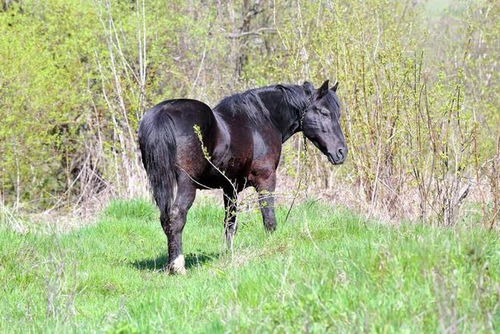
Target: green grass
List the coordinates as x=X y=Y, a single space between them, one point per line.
x=325 y=270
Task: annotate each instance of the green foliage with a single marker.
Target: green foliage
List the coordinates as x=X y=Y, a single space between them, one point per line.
x=419 y=89
x=42 y=62
x=324 y=270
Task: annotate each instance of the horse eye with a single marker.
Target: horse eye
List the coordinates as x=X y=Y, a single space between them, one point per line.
x=324 y=112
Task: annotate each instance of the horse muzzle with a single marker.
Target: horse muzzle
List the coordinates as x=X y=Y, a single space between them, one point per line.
x=338 y=157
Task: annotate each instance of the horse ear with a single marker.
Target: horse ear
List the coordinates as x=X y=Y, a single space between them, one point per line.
x=308 y=88
x=334 y=88
x=323 y=89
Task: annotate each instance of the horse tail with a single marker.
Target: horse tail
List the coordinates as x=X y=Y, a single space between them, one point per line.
x=159 y=154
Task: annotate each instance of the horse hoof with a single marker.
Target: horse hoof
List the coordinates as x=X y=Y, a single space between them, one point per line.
x=177 y=271
x=177 y=267
x=270 y=228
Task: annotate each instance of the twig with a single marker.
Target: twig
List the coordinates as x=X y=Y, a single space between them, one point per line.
x=257 y=32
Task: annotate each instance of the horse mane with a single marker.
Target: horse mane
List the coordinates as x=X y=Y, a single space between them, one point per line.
x=294 y=102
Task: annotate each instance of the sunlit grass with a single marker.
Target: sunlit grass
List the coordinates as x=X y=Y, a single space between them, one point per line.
x=326 y=269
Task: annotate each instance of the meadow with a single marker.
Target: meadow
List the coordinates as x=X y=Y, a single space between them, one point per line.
x=324 y=270
x=419 y=91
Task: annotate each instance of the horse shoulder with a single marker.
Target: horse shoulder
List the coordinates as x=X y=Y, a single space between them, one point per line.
x=266 y=154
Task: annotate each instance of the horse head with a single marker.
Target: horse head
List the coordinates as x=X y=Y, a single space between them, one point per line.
x=321 y=122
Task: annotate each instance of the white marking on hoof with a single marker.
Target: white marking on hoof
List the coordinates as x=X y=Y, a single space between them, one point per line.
x=177 y=267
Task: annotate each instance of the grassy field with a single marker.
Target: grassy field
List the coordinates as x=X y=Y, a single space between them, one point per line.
x=325 y=270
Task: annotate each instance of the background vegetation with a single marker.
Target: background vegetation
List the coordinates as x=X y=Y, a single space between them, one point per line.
x=419 y=83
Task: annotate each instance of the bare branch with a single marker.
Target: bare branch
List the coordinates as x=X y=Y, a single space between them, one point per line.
x=257 y=32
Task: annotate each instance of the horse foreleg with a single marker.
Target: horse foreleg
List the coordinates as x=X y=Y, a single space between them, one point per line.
x=265 y=188
x=230 y=206
x=174 y=224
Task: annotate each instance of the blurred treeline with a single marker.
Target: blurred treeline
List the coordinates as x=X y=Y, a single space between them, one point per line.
x=420 y=93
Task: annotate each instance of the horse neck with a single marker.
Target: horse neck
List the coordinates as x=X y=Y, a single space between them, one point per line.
x=285 y=119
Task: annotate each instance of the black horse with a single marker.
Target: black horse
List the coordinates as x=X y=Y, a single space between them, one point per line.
x=188 y=146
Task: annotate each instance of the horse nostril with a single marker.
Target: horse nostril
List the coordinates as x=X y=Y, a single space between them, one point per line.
x=340 y=153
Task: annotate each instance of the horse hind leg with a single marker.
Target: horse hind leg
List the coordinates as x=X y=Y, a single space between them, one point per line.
x=173 y=224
